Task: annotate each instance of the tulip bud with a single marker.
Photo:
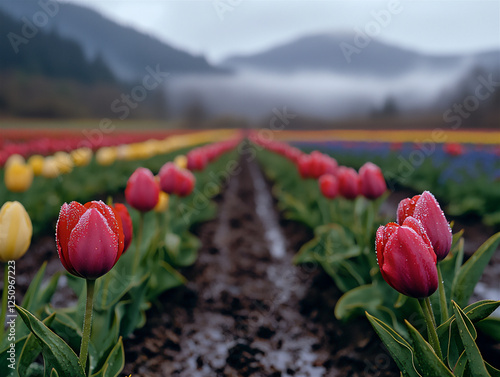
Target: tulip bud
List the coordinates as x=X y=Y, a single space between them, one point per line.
x=15 y=231
x=18 y=177
x=426 y=209
x=168 y=177
x=89 y=239
x=81 y=156
x=64 y=162
x=106 y=156
x=181 y=161
x=36 y=163
x=329 y=186
x=121 y=212
x=406 y=259
x=372 y=182
x=304 y=166
x=14 y=159
x=185 y=183
x=50 y=169
x=142 y=190
x=348 y=182
x=162 y=204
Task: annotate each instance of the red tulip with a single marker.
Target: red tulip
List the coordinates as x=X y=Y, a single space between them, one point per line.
x=372 y=182
x=142 y=190
x=304 y=166
x=185 y=183
x=128 y=229
x=426 y=209
x=329 y=186
x=406 y=259
x=89 y=239
x=198 y=160
x=168 y=177
x=348 y=182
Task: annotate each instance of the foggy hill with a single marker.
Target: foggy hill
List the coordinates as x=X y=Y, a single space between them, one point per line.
x=126 y=51
x=339 y=53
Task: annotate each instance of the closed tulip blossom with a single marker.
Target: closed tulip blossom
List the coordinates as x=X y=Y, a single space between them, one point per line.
x=372 y=182
x=15 y=231
x=89 y=238
x=304 y=166
x=329 y=186
x=128 y=229
x=142 y=190
x=168 y=177
x=185 y=183
x=18 y=176
x=348 y=182
x=89 y=241
x=406 y=259
x=426 y=209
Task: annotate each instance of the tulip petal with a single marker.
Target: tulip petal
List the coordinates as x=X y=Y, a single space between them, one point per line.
x=429 y=213
x=15 y=231
x=409 y=264
x=68 y=218
x=406 y=207
x=93 y=246
x=112 y=218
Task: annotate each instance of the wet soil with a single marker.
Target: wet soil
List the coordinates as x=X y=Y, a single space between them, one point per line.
x=247 y=310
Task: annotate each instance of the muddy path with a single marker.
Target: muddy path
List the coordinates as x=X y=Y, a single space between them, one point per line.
x=247 y=310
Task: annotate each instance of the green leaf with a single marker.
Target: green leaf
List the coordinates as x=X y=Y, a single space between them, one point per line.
x=399 y=348
x=358 y=300
x=428 y=363
x=53 y=373
x=114 y=363
x=490 y=326
x=468 y=335
x=470 y=273
x=134 y=306
x=57 y=354
x=31 y=349
x=475 y=312
x=163 y=278
x=494 y=372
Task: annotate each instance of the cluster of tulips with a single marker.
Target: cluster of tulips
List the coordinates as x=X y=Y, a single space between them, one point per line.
x=333 y=180
x=412 y=254
x=414 y=289
x=92 y=240
x=198 y=158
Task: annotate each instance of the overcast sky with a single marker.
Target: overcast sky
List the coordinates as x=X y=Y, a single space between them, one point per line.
x=218 y=28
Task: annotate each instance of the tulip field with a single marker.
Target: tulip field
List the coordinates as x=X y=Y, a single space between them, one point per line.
x=249 y=253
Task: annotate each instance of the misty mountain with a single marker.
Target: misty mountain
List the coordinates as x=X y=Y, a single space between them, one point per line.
x=126 y=51
x=41 y=56
x=340 y=54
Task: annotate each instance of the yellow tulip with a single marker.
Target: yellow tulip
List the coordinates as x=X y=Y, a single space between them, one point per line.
x=50 y=168
x=181 y=161
x=64 y=162
x=15 y=231
x=14 y=159
x=106 y=156
x=162 y=204
x=81 y=156
x=36 y=163
x=18 y=177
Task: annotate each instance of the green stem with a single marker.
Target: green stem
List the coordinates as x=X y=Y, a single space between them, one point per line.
x=87 y=323
x=4 y=300
x=431 y=326
x=442 y=297
x=137 y=257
